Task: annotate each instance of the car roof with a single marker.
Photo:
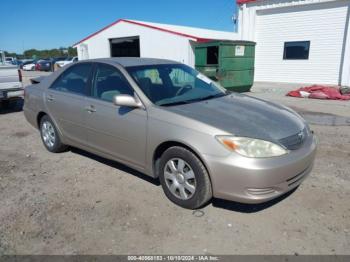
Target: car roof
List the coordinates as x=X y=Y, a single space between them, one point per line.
x=133 y=61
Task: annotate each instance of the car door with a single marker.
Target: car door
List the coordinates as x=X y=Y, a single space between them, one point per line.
x=65 y=100
x=113 y=130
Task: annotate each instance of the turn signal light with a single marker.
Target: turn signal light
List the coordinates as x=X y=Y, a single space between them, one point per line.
x=230 y=144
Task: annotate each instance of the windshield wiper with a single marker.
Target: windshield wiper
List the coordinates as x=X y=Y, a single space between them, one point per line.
x=174 y=103
x=209 y=97
x=195 y=100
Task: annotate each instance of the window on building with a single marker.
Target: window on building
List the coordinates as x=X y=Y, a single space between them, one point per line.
x=296 y=50
x=213 y=55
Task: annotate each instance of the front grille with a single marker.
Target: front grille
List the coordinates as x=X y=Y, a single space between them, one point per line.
x=295 y=141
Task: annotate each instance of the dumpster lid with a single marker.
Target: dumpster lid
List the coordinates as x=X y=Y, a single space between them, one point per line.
x=225 y=42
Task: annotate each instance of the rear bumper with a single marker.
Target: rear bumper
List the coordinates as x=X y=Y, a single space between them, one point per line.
x=11 y=93
x=30 y=116
x=248 y=180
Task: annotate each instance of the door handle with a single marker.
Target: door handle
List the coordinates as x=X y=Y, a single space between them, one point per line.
x=90 y=109
x=50 y=98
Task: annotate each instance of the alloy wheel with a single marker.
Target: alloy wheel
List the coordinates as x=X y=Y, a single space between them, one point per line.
x=48 y=134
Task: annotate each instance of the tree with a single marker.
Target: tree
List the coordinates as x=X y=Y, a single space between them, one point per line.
x=10 y=54
x=31 y=53
x=47 y=53
x=72 y=51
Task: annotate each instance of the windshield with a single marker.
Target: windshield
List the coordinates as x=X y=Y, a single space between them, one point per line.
x=167 y=85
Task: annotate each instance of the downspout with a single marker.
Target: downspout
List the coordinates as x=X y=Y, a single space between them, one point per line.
x=344 y=72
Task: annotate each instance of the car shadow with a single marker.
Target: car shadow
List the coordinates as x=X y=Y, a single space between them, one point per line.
x=216 y=203
x=8 y=107
x=249 y=208
x=115 y=165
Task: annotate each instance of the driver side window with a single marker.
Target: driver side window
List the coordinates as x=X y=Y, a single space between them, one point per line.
x=109 y=82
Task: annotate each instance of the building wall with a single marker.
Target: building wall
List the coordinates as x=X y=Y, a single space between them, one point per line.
x=153 y=43
x=325 y=23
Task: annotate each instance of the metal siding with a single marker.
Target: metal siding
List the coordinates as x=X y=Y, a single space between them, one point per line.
x=322 y=24
x=153 y=43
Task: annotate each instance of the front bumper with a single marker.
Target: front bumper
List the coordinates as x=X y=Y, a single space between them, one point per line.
x=11 y=93
x=249 y=180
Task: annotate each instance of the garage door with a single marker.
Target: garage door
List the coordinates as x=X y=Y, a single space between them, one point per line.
x=301 y=44
x=125 y=47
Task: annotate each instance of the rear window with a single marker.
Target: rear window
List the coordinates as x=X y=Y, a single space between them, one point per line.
x=74 y=79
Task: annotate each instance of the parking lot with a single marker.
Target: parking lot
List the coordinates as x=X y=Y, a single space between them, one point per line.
x=78 y=203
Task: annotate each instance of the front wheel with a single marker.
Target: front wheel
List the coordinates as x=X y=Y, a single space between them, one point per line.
x=184 y=178
x=50 y=136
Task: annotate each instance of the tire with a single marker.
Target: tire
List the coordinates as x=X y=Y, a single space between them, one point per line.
x=5 y=104
x=179 y=187
x=50 y=136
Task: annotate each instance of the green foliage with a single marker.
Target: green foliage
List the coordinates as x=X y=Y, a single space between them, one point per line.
x=56 y=52
x=72 y=51
x=7 y=54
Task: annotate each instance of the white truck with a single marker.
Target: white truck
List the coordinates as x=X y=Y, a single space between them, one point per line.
x=11 y=87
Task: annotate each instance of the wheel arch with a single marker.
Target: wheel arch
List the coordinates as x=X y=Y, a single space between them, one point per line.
x=161 y=148
x=39 y=117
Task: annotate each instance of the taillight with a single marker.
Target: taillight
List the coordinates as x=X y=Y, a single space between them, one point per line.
x=37 y=67
x=20 y=75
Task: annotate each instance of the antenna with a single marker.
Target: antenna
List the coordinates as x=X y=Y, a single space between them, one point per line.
x=234 y=20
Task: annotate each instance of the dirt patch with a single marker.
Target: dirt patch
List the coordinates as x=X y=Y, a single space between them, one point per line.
x=77 y=203
x=20 y=134
x=323 y=119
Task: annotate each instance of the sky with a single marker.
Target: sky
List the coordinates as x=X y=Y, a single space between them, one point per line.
x=46 y=24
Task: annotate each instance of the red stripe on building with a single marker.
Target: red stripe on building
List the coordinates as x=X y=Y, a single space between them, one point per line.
x=241 y=2
x=198 y=39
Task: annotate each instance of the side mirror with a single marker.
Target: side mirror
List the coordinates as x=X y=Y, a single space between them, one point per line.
x=127 y=100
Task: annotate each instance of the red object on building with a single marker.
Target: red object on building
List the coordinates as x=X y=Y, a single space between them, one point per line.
x=241 y=2
x=319 y=92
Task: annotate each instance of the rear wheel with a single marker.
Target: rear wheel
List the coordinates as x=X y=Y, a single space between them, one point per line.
x=184 y=178
x=50 y=136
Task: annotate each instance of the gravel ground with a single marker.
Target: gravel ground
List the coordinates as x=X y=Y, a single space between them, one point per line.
x=78 y=203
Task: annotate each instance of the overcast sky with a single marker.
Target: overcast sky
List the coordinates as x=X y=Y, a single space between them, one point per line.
x=49 y=24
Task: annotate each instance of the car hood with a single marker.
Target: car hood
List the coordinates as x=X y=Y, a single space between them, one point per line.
x=242 y=115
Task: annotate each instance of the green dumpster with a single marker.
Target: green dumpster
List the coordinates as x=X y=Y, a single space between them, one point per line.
x=231 y=63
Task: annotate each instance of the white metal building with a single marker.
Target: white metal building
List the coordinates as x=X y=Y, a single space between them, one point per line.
x=144 y=39
x=298 y=41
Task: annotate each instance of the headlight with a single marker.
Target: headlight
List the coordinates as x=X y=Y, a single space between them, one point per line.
x=250 y=147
